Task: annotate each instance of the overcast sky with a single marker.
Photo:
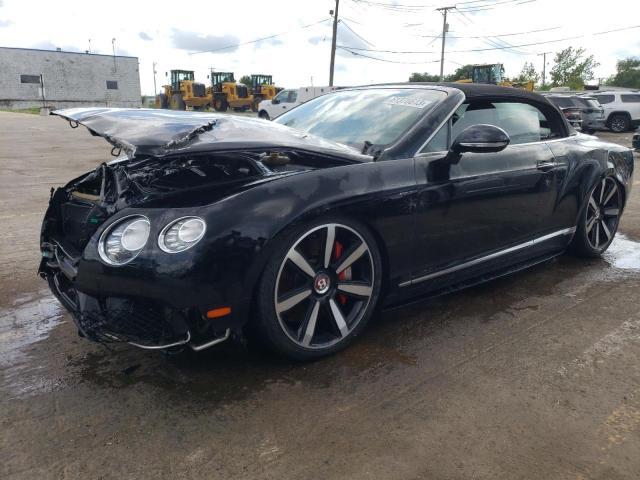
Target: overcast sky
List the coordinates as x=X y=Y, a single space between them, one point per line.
x=170 y=35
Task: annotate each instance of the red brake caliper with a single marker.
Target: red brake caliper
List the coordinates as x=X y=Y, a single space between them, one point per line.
x=345 y=274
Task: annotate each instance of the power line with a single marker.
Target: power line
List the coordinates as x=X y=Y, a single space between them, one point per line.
x=488 y=39
x=494 y=48
x=497 y=35
x=358 y=54
x=260 y=39
x=492 y=6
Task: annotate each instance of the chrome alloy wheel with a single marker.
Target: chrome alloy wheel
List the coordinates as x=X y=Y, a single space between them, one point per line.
x=603 y=213
x=324 y=286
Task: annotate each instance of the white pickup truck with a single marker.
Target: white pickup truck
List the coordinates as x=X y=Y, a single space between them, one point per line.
x=287 y=99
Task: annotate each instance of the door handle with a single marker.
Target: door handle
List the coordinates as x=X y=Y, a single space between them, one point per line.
x=546 y=165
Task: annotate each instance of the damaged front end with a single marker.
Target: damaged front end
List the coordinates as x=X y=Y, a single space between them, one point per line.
x=159 y=300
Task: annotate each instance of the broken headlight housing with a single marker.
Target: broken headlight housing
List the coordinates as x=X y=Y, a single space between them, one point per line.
x=122 y=241
x=181 y=234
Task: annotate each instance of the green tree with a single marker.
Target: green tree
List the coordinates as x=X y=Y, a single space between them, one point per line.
x=528 y=74
x=423 y=77
x=246 y=79
x=462 y=72
x=627 y=75
x=571 y=68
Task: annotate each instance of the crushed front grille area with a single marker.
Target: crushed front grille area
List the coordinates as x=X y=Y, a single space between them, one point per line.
x=119 y=319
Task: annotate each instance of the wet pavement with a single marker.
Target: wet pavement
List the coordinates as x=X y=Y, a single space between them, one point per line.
x=531 y=376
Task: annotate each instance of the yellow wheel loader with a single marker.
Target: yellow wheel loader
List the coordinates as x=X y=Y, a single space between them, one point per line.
x=182 y=92
x=226 y=93
x=493 y=73
x=262 y=88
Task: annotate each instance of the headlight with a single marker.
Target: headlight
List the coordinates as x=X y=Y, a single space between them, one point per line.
x=181 y=234
x=124 y=240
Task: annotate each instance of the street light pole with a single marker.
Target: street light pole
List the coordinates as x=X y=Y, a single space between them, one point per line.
x=333 y=43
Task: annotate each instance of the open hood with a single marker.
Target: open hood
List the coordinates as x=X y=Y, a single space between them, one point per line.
x=152 y=132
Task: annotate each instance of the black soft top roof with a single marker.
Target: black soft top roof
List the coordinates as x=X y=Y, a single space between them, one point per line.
x=472 y=90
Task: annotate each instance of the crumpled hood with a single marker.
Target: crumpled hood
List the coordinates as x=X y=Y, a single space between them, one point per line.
x=140 y=131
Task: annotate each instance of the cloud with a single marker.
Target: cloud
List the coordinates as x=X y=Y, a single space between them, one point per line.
x=271 y=41
x=317 y=39
x=144 y=36
x=5 y=23
x=195 y=42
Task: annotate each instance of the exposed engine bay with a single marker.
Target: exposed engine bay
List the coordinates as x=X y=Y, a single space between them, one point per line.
x=133 y=179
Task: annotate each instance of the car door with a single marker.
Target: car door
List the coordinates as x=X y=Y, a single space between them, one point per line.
x=631 y=103
x=482 y=203
x=287 y=99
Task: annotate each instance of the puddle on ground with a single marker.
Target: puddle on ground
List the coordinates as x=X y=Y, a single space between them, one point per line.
x=623 y=253
x=30 y=320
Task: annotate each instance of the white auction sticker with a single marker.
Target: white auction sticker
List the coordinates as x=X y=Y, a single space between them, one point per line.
x=408 y=102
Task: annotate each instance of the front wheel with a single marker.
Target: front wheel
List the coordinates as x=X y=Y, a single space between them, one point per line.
x=619 y=123
x=599 y=221
x=319 y=289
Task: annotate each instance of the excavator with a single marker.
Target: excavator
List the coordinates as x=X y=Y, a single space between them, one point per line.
x=183 y=91
x=493 y=74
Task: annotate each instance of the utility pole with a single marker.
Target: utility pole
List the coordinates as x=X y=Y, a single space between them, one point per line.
x=333 y=42
x=155 y=90
x=544 y=67
x=445 y=29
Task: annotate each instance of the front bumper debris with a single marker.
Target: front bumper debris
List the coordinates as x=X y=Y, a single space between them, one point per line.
x=140 y=322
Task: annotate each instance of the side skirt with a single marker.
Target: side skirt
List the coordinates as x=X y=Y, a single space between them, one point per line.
x=472 y=282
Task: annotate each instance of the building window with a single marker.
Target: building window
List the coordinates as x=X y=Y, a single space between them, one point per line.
x=112 y=85
x=30 y=79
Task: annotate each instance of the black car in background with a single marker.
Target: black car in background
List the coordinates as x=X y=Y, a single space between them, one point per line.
x=583 y=111
x=297 y=230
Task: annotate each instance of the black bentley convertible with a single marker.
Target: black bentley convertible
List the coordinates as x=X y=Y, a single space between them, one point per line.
x=209 y=225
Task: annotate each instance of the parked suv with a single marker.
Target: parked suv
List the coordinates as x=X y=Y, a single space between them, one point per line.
x=621 y=109
x=590 y=111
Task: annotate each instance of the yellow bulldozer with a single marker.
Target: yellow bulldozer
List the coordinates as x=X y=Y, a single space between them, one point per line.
x=225 y=93
x=183 y=91
x=493 y=74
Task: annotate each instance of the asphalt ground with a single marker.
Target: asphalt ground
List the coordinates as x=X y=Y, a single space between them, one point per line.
x=531 y=376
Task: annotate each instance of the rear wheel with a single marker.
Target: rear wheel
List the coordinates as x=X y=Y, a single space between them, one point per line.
x=619 y=123
x=319 y=289
x=599 y=221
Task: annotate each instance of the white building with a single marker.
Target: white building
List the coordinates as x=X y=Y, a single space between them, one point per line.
x=70 y=79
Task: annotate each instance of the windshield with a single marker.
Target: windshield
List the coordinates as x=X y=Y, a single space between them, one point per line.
x=376 y=115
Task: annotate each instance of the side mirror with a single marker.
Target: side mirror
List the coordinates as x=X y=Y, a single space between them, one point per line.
x=480 y=139
x=275 y=101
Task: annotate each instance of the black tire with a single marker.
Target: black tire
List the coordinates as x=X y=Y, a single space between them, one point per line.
x=328 y=318
x=255 y=104
x=264 y=114
x=162 y=101
x=619 y=122
x=598 y=222
x=220 y=104
x=177 y=103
